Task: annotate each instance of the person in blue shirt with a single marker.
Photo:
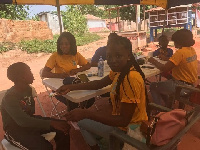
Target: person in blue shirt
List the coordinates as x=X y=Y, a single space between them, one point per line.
x=163 y=52
x=101 y=51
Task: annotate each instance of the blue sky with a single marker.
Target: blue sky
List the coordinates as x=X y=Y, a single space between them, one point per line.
x=35 y=9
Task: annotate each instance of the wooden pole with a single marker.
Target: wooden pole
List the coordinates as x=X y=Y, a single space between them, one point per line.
x=59 y=16
x=144 y=18
x=110 y=20
x=137 y=16
x=118 y=19
x=195 y=23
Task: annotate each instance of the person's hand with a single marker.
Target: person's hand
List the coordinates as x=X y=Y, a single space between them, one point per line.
x=63 y=90
x=73 y=72
x=152 y=60
x=76 y=115
x=163 y=57
x=60 y=125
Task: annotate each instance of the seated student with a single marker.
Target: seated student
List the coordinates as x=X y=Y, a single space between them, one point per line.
x=63 y=63
x=127 y=95
x=163 y=52
x=101 y=51
x=183 y=65
x=23 y=128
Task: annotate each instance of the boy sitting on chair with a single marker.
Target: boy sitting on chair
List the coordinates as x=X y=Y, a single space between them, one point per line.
x=22 y=128
x=164 y=53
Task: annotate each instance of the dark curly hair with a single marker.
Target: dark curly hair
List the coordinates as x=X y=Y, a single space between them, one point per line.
x=183 y=37
x=72 y=41
x=16 y=70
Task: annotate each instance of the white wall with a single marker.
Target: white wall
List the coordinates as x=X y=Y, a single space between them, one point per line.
x=96 y=23
x=52 y=21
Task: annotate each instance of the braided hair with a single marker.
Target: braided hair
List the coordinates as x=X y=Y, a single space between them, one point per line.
x=126 y=44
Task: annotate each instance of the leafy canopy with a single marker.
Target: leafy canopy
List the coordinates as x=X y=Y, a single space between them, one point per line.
x=14 y=12
x=74 y=21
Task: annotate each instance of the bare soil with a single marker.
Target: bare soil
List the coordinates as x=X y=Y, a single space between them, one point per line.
x=37 y=61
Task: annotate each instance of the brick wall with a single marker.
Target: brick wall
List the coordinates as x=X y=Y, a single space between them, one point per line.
x=17 y=30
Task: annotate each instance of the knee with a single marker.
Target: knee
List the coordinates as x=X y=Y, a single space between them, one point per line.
x=43 y=145
x=153 y=86
x=83 y=123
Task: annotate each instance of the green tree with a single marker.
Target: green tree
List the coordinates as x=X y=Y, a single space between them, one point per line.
x=101 y=11
x=98 y=10
x=129 y=13
x=35 y=18
x=15 y=12
x=74 y=21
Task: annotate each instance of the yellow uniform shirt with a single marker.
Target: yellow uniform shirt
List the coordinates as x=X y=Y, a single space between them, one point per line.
x=186 y=63
x=65 y=63
x=127 y=96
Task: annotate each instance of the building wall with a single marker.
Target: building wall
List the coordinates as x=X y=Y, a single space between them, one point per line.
x=52 y=22
x=17 y=30
x=96 y=23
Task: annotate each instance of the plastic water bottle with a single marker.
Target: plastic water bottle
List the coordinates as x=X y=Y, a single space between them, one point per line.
x=101 y=67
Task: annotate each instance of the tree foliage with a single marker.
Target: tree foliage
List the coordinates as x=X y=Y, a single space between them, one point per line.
x=74 y=21
x=98 y=10
x=129 y=13
x=101 y=11
x=15 y=12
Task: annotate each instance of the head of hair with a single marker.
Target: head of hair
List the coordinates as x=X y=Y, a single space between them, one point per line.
x=16 y=71
x=125 y=43
x=163 y=40
x=72 y=42
x=183 y=37
x=112 y=35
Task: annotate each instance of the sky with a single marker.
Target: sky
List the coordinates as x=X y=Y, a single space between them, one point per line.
x=35 y=9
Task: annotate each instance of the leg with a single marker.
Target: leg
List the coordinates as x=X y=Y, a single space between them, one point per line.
x=62 y=140
x=158 y=89
x=92 y=130
x=26 y=139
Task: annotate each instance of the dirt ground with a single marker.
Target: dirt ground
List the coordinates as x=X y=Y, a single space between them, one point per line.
x=37 y=61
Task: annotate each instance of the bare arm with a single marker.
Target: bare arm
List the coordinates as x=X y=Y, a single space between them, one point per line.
x=93 y=85
x=163 y=67
x=122 y=120
x=163 y=57
x=82 y=68
x=46 y=73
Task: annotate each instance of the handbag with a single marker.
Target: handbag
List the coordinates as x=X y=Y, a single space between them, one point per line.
x=163 y=127
x=195 y=96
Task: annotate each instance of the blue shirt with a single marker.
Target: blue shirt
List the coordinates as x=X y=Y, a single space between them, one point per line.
x=101 y=51
x=169 y=52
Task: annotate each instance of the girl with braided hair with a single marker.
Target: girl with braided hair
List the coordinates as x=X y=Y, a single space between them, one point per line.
x=127 y=95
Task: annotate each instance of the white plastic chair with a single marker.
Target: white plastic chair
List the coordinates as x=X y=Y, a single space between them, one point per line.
x=7 y=146
x=48 y=136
